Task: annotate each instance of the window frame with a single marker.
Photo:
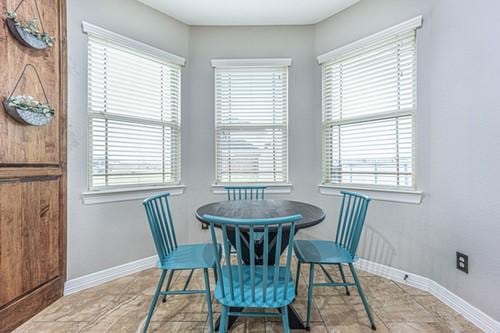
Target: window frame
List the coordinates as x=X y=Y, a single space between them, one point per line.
x=114 y=193
x=279 y=187
x=379 y=192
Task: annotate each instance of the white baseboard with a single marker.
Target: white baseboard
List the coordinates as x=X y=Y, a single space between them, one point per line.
x=470 y=312
x=473 y=314
x=97 y=278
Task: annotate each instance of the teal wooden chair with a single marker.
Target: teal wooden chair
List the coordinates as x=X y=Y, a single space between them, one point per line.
x=341 y=251
x=174 y=257
x=245 y=192
x=250 y=285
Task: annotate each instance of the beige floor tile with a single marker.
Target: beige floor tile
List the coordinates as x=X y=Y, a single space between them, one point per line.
x=124 y=316
x=419 y=328
x=122 y=305
x=338 y=315
x=181 y=308
x=354 y=328
x=82 y=306
x=249 y=325
x=412 y=290
x=402 y=309
x=50 y=327
x=300 y=305
x=453 y=320
x=380 y=289
x=144 y=285
x=277 y=327
x=176 y=327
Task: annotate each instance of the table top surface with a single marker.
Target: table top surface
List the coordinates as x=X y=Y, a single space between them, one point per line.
x=260 y=209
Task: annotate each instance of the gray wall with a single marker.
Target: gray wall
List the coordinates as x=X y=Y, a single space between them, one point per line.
x=103 y=236
x=457 y=139
x=458 y=111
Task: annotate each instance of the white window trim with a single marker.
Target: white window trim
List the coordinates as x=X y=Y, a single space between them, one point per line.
x=257 y=62
x=393 y=194
x=271 y=188
x=128 y=193
x=89 y=28
x=410 y=24
x=381 y=194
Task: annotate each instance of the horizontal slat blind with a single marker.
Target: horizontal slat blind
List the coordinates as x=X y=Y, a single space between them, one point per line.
x=369 y=104
x=251 y=124
x=134 y=117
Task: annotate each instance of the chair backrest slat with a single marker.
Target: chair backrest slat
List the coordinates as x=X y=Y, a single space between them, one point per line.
x=279 y=231
x=245 y=192
x=154 y=231
x=227 y=259
x=160 y=215
x=161 y=224
x=252 y=262
x=171 y=221
x=351 y=220
x=265 y=254
x=277 y=248
x=215 y=247
x=239 y=260
x=289 y=257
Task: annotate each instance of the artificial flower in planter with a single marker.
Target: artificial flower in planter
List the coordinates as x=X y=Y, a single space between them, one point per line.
x=29 y=33
x=28 y=110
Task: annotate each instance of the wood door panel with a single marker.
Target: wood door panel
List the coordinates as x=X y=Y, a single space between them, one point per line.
x=32 y=170
x=15 y=313
x=29 y=236
x=22 y=144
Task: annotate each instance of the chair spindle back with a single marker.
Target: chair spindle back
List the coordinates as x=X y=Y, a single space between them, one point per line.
x=351 y=220
x=161 y=224
x=259 y=283
x=245 y=192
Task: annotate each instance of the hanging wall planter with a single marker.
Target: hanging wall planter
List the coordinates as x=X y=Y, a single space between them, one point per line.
x=26 y=109
x=29 y=33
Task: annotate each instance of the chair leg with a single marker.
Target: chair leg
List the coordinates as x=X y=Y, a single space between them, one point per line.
x=154 y=300
x=362 y=295
x=188 y=279
x=297 y=277
x=223 y=320
x=209 y=300
x=343 y=279
x=167 y=288
x=284 y=317
x=310 y=295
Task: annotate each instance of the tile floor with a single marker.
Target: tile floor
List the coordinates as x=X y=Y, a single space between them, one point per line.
x=121 y=306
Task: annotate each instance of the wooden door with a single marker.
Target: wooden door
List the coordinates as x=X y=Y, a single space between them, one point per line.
x=32 y=169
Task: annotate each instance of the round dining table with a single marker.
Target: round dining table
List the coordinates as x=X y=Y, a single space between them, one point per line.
x=261 y=209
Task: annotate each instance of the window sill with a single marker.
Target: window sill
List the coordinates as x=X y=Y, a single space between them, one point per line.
x=392 y=195
x=271 y=188
x=126 y=194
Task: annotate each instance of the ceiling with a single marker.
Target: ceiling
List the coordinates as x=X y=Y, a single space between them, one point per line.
x=249 y=12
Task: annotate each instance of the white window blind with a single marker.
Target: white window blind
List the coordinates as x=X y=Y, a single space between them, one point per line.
x=134 y=117
x=251 y=105
x=369 y=104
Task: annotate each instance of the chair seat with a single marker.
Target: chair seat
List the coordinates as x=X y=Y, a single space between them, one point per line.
x=321 y=252
x=190 y=256
x=259 y=302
